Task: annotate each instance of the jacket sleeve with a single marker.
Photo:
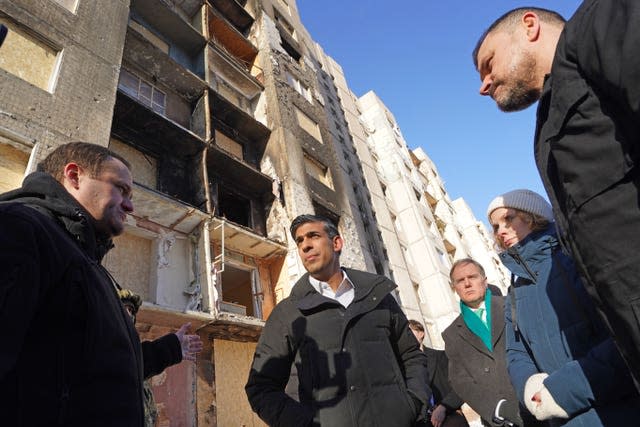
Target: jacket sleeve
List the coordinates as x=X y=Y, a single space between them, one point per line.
x=411 y=359
x=519 y=363
x=159 y=354
x=600 y=376
x=608 y=42
x=450 y=399
x=27 y=263
x=269 y=375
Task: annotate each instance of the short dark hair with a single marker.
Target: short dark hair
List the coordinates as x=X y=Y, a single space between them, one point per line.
x=89 y=156
x=414 y=324
x=329 y=226
x=465 y=261
x=509 y=20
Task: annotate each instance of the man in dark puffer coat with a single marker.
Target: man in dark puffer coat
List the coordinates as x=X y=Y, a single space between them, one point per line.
x=70 y=354
x=358 y=364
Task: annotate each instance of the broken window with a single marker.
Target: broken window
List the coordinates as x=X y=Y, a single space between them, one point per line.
x=308 y=124
x=285 y=25
x=300 y=87
x=143 y=91
x=318 y=171
x=26 y=56
x=290 y=49
x=241 y=292
x=234 y=207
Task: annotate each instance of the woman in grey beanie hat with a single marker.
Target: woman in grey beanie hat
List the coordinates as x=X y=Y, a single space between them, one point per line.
x=562 y=362
x=530 y=212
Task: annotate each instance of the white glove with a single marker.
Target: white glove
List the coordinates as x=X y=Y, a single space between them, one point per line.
x=547 y=407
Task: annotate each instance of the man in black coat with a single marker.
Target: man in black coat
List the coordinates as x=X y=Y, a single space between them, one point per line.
x=357 y=362
x=70 y=354
x=585 y=74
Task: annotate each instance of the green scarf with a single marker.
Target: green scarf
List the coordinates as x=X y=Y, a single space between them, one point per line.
x=475 y=324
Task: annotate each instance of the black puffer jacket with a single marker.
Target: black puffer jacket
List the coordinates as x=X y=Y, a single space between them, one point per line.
x=70 y=354
x=359 y=366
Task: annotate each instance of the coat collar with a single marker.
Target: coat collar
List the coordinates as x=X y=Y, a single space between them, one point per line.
x=537 y=247
x=43 y=193
x=497 y=328
x=368 y=287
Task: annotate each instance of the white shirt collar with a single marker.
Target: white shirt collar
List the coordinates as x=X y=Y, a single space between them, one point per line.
x=344 y=294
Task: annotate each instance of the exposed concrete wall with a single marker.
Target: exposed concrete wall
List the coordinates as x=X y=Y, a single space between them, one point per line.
x=173 y=269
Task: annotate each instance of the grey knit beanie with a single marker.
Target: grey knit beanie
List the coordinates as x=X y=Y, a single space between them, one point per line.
x=524 y=200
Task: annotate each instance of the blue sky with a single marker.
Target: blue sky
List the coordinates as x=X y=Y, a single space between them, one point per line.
x=416 y=55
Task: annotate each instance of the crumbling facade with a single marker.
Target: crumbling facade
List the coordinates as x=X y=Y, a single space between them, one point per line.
x=235 y=121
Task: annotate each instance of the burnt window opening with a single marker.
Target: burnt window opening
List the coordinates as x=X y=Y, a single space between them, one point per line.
x=292 y=51
x=241 y=292
x=285 y=25
x=234 y=207
x=326 y=212
x=318 y=171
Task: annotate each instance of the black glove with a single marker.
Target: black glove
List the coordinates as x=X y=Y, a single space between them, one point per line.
x=507 y=413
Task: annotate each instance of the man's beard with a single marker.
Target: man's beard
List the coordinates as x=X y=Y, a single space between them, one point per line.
x=522 y=92
x=520 y=97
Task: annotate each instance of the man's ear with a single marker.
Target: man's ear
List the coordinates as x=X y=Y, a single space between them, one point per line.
x=531 y=23
x=72 y=172
x=337 y=243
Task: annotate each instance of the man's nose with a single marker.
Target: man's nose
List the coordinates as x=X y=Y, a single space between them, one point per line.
x=127 y=204
x=485 y=86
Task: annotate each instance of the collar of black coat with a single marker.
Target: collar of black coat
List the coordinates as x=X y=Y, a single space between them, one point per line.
x=367 y=286
x=41 y=191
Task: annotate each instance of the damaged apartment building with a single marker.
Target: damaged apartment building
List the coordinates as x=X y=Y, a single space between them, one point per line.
x=234 y=121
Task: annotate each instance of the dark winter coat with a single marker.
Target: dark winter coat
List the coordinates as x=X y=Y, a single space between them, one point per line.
x=161 y=353
x=588 y=153
x=560 y=333
x=356 y=366
x=477 y=375
x=438 y=368
x=70 y=354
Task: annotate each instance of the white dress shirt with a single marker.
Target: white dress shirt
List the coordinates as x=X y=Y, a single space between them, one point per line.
x=344 y=294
